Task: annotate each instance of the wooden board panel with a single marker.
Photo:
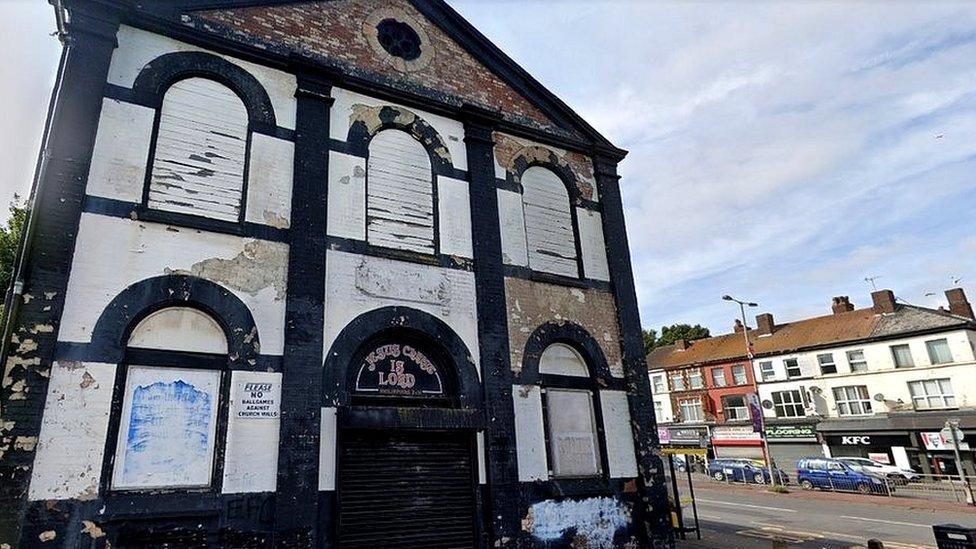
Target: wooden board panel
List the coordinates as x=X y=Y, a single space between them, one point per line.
x=548 y=223
x=198 y=167
x=400 y=198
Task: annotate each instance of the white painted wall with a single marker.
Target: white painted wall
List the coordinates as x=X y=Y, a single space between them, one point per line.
x=68 y=462
x=592 y=245
x=137 y=48
x=327 y=450
x=621 y=456
x=269 y=181
x=454 y=217
x=511 y=219
x=882 y=376
x=356 y=284
x=251 y=456
x=118 y=165
x=112 y=253
x=530 y=434
x=342 y=114
x=347 y=196
x=663 y=397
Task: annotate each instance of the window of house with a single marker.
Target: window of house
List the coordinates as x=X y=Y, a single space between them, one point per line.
x=658 y=382
x=658 y=411
x=739 y=374
x=792 y=367
x=766 y=370
x=691 y=410
x=399 y=193
x=932 y=394
x=939 y=352
x=571 y=420
x=695 y=380
x=168 y=436
x=856 y=360
x=548 y=223
x=735 y=408
x=198 y=162
x=677 y=382
x=853 y=400
x=718 y=377
x=827 y=364
x=788 y=403
x=902 y=355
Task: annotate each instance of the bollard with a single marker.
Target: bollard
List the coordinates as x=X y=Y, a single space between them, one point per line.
x=875 y=544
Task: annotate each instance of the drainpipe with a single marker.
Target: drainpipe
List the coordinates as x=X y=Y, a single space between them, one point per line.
x=15 y=294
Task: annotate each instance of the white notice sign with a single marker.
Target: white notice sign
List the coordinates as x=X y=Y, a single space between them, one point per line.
x=257 y=399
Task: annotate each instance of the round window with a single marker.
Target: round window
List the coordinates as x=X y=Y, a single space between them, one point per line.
x=398 y=39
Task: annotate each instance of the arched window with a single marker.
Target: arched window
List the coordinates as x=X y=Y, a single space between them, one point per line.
x=200 y=152
x=548 y=223
x=399 y=193
x=172 y=403
x=572 y=431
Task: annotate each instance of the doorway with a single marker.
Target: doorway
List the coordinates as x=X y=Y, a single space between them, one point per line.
x=407 y=489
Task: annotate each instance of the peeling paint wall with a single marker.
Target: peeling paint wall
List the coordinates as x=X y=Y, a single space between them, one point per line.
x=454 y=217
x=592 y=245
x=399 y=193
x=68 y=463
x=269 y=181
x=532 y=304
x=508 y=148
x=356 y=284
x=347 y=196
x=137 y=48
x=621 y=456
x=511 y=218
x=590 y=523
x=115 y=253
x=530 y=434
x=118 y=165
x=251 y=455
x=548 y=223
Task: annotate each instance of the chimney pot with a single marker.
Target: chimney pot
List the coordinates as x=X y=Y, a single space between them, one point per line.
x=681 y=344
x=958 y=304
x=841 y=304
x=737 y=326
x=884 y=301
x=765 y=324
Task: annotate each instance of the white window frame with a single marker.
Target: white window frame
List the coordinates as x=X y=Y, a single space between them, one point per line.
x=691 y=404
x=857 y=366
x=715 y=380
x=793 y=403
x=741 y=413
x=767 y=371
x=894 y=355
x=693 y=376
x=658 y=383
x=933 y=359
x=853 y=400
x=826 y=360
x=735 y=378
x=677 y=382
x=922 y=399
x=796 y=365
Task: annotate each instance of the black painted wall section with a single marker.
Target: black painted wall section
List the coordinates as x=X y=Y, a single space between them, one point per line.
x=656 y=514
x=496 y=370
x=57 y=211
x=297 y=516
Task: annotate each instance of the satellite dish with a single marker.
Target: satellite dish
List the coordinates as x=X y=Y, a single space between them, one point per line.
x=816 y=390
x=879 y=397
x=767 y=404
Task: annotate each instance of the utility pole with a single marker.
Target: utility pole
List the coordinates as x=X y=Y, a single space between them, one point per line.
x=761 y=420
x=951 y=431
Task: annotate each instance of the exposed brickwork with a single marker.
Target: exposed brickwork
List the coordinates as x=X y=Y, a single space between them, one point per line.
x=509 y=148
x=335 y=31
x=531 y=304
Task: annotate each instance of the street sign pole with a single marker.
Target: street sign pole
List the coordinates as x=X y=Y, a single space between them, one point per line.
x=952 y=426
x=762 y=420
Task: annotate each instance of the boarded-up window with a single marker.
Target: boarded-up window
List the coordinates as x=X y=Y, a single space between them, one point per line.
x=562 y=360
x=572 y=433
x=201 y=143
x=400 y=197
x=548 y=223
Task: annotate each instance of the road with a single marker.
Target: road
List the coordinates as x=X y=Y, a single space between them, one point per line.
x=737 y=517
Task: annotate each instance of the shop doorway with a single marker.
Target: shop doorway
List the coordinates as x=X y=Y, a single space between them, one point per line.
x=407 y=489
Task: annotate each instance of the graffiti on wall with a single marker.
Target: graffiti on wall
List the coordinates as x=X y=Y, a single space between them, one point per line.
x=592 y=522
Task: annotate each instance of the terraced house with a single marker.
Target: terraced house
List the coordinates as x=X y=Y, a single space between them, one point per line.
x=319 y=274
x=876 y=382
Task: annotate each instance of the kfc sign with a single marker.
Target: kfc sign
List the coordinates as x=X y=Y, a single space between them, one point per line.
x=855 y=440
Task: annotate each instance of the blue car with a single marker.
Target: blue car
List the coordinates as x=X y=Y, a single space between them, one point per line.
x=741 y=470
x=839 y=475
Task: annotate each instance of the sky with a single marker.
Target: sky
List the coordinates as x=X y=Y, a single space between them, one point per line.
x=779 y=152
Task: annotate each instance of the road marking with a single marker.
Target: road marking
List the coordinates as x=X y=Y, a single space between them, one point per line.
x=746 y=505
x=888 y=521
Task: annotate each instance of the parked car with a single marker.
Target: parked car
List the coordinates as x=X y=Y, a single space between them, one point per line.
x=742 y=470
x=836 y=474
x=895 y=474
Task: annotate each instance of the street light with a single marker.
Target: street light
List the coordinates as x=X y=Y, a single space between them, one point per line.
x=758 y=409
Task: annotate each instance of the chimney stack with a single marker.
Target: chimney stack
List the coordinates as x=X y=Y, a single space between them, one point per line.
x=765 y=323
x=738 y=327
x=841 y=304
x=958 y=304
x=681 y=344
x=884 y=302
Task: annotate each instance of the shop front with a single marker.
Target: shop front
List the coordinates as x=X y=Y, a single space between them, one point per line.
x=894 y=448
x=737 y=441
x=789 y=442
x=940 y=456
x=689 y=442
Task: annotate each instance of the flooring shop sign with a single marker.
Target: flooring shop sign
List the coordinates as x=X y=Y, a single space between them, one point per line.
x=258 y=399
x=395 y=369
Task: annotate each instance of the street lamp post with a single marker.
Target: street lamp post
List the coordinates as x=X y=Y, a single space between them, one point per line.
x=762 y=420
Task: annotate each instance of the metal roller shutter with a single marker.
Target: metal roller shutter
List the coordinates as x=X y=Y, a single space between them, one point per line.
x=786 y=455
x=746 y=452
x=406 y=490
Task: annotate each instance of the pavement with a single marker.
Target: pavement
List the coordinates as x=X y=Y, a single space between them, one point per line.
x=734 y=517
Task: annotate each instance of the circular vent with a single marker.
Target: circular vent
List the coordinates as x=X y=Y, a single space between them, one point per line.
x=398 y=39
